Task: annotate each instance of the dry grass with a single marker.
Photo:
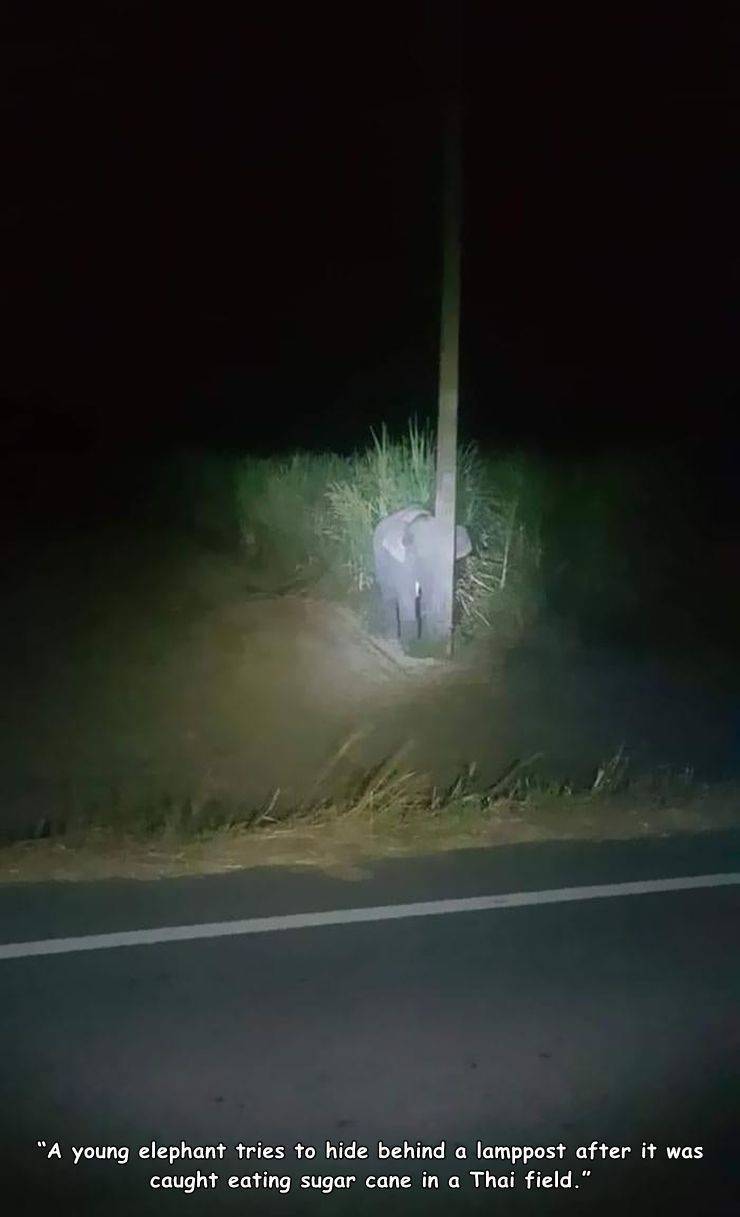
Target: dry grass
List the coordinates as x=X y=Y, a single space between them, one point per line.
x=389 y=811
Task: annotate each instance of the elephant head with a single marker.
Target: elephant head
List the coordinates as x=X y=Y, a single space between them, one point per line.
x=409 y=550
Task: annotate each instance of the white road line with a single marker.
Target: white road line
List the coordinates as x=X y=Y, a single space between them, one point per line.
x=387 y=912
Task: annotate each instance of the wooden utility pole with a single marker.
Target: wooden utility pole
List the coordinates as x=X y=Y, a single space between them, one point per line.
x=440 y=621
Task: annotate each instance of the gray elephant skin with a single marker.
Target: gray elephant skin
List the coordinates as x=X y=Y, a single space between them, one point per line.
x=408 y=548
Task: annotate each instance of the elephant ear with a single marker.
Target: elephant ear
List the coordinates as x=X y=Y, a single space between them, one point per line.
x=395 y=546
x=396 y=540
x=463 y=544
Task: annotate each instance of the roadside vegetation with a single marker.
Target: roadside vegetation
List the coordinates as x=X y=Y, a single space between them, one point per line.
x=310 y=517
x=203 y=655
x=606 y=542
x=387 y=811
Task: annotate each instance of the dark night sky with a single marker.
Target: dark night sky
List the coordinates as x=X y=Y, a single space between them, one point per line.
x=223 y=226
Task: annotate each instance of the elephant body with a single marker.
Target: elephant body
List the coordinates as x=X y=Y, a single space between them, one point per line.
x=408 y=548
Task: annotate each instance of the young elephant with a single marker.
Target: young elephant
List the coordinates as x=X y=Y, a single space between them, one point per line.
x=408 y=547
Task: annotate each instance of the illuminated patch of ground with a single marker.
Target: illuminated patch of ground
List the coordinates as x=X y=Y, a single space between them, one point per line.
x=143 y=674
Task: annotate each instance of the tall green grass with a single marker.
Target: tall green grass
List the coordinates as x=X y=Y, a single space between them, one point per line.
x=281 y=507
x=385 y=477
x=319 y=510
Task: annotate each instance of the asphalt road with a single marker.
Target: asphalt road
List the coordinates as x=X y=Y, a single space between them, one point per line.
x=610 y=1020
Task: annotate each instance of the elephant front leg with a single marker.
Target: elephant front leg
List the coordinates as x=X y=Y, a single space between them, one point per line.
x=434 y=627
x=408 y=618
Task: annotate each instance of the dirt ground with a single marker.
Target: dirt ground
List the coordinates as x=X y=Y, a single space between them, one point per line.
x=138 y=667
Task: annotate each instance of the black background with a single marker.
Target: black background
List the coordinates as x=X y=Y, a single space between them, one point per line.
x=222 y=229
x=222 y=223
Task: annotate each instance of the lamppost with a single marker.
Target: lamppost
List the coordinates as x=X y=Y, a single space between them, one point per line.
x=440 y=621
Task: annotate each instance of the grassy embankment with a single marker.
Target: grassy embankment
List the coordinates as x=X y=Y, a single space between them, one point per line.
x=306 y=522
